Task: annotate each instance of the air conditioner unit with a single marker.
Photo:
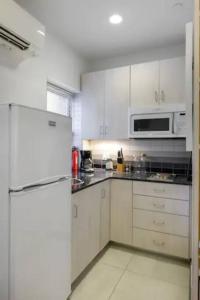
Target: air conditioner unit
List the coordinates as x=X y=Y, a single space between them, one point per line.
x=20 y=33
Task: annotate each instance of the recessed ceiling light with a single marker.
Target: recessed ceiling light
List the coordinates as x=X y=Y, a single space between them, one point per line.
x=115 y=19
x=178 y=4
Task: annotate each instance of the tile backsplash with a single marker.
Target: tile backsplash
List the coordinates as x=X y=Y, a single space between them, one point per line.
x=102 y=149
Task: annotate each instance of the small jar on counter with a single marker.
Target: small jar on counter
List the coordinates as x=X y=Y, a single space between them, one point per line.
x=109 y=164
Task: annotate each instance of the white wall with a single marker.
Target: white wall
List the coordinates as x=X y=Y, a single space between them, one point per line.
x=26 y=83
x=63 y=64
x=138 y=57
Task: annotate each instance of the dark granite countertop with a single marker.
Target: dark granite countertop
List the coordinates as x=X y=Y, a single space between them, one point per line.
x=101 y=175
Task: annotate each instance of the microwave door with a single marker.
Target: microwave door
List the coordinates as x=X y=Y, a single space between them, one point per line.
x=152 y=125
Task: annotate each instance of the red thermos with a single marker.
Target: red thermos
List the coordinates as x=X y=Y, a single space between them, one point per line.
x=75 y=158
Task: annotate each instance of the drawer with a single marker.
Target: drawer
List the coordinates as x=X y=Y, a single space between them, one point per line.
x=177 y=207
x=161 y=242
x=166 y=223
x=172 y=191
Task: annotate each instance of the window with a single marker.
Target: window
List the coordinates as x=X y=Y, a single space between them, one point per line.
x=59 y=100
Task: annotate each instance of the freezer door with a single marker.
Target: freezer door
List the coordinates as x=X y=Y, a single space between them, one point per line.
x=40 y=145
x=40 y=260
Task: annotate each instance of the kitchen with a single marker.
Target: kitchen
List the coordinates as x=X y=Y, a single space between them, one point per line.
x=122 y=219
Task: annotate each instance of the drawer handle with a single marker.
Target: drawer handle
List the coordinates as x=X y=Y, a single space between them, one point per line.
x=157 y=205
x=158 y=223
x=159 y=190
x=159 y=243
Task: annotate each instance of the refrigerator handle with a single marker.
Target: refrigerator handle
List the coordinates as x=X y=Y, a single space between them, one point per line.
x=40 y=183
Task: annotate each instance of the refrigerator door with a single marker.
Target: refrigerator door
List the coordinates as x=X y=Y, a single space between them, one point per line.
x=40 y=145
x=4 y=203
x=40 y=260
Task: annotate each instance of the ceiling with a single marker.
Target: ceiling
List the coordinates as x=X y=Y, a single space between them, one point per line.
x=83 y=24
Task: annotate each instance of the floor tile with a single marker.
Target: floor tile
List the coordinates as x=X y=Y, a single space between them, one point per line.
x=173 y=272
x=98 y=284
x=133 y=275
x=160 y=268
x=168 y=291
x=143 y=264
x=134 y=286
x=116 y=257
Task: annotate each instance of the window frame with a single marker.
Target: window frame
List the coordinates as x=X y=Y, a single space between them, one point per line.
x=60 y=92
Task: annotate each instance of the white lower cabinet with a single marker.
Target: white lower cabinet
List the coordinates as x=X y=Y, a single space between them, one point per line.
x=150 y=216
x=171 y=206
x=161 y=218
x=161 y=242
x=163 y=190
x=85 y=228
x=105 y=214
x=90 y=225
x=121 y=211
x=166 y=223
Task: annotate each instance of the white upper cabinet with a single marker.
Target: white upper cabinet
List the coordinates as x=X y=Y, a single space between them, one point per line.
x=93 y=105
x=105 y=101
x=145 y=84
x=158 y=83
x=116 y=103
x=107 y=95
x=172 y=80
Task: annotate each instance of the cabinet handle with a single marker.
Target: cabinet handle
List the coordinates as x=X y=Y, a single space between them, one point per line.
x=103 y=193
x=158 y=223
x=158 y=205
x=75 y=211
x=159 y=190
x=159 y=243
x=106 y=130
x=156 y=97
x=101 y=130
x=162 y=96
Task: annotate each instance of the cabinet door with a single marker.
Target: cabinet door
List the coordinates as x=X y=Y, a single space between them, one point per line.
x=80 y=233
x=93 y=194
x=121 y=211
x=105 y=214
x=172 y=80
x=145 y=84
x=93 y=100
x=117 y=90
x=85 y=228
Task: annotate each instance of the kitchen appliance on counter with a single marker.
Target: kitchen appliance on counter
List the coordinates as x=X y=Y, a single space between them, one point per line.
x=120 y=161
x=35 y=204
x=167 y=122
x=75 y=159
x=86 y=161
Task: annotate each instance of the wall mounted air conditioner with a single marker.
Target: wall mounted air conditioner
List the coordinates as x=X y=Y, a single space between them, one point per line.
x=20 y=33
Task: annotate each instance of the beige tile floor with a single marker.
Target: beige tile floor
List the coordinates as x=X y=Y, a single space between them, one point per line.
x=129 y=275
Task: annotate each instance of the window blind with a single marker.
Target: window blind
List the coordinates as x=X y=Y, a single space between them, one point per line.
x=59 y=100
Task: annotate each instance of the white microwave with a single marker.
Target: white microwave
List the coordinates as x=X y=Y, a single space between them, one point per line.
x=158 y=125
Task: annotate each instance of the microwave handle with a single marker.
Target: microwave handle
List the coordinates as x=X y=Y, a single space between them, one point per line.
x=173 y=129
x=131 y=125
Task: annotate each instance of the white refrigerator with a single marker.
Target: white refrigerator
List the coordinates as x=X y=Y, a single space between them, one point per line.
x=35 y=204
